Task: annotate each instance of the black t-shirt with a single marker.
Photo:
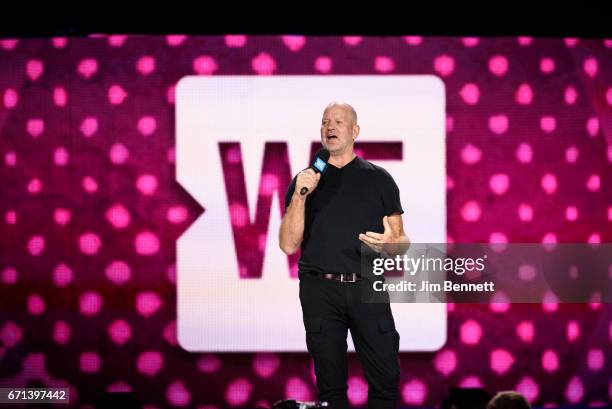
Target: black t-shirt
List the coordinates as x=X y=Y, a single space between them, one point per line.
x=347 y=201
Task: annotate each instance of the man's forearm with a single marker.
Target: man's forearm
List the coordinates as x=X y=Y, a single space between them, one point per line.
x=292 y=226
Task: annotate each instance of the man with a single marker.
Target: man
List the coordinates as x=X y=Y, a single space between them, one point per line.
x=354 y=202
x=508 y=400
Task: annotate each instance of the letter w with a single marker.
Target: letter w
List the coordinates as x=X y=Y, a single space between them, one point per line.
x=250 y=236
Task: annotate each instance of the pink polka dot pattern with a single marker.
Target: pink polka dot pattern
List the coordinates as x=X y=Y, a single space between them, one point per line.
x=90 y=303
x=178 y=395
x=10 y=334
x=146 y=184
x=90 y=243
x=87 y=67
x=235 y=41
x=116 y=94
x=9 y=276
x=146 y=65
x=118 y=216
x=149 y=363
x=238 y=392
x=445 y=362
x=62 y=275
x=471 y=332
x=470 y=41
x=414 y=392
x=147 y=303
x=323 y=64
x=265 y=365
x=36 y=304
x=61 y=156
x=118 y=272
x=208 y=364
x=176 y=214
x=501 y=361
x=90 y=362
x=147 y=125
x=205 y=65
x=384 y=64
x=264 y=64
x=61 y=332
x=470 y=94
x=146 y=243
x=91 y=211
x=525 y=331
x=296 y=388
x=120 y=332
x=89 y=126
x=358 y=391
x=550 y=361
x=528 y=388
x=524 y=94
x=36 y=245
x=444 y=65
x=498 y=65
x=118 y=153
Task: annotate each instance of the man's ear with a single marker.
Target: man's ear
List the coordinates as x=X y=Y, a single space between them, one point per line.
x=356 y=130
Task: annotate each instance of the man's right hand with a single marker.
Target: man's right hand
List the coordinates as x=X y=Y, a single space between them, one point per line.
x=306 y=178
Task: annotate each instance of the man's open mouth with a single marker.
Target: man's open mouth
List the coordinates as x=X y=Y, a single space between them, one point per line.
x=331 y=137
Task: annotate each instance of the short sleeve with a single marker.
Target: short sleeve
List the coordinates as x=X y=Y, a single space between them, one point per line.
x=289 y=193
x=391 y=195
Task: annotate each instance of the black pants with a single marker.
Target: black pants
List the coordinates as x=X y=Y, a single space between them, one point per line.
x=329 y=309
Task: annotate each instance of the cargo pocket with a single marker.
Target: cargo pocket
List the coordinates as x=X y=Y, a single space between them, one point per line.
x=313 y=334
x=390 y=338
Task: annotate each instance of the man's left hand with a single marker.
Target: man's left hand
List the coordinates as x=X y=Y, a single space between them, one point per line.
x=376 y=241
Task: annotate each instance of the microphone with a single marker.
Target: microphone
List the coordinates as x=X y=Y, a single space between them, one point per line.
x=319 y=164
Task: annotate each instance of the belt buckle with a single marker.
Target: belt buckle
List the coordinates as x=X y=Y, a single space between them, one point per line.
x=342 y=280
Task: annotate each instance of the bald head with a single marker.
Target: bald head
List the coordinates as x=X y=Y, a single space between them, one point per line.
x=339 y=129
x=345 y=106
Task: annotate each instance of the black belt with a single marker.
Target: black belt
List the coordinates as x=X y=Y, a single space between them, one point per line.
x=342 y=277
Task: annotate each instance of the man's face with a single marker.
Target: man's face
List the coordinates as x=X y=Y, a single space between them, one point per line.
x=337 y=129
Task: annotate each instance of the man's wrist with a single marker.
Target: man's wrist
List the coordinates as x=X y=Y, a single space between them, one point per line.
x=298 y=197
